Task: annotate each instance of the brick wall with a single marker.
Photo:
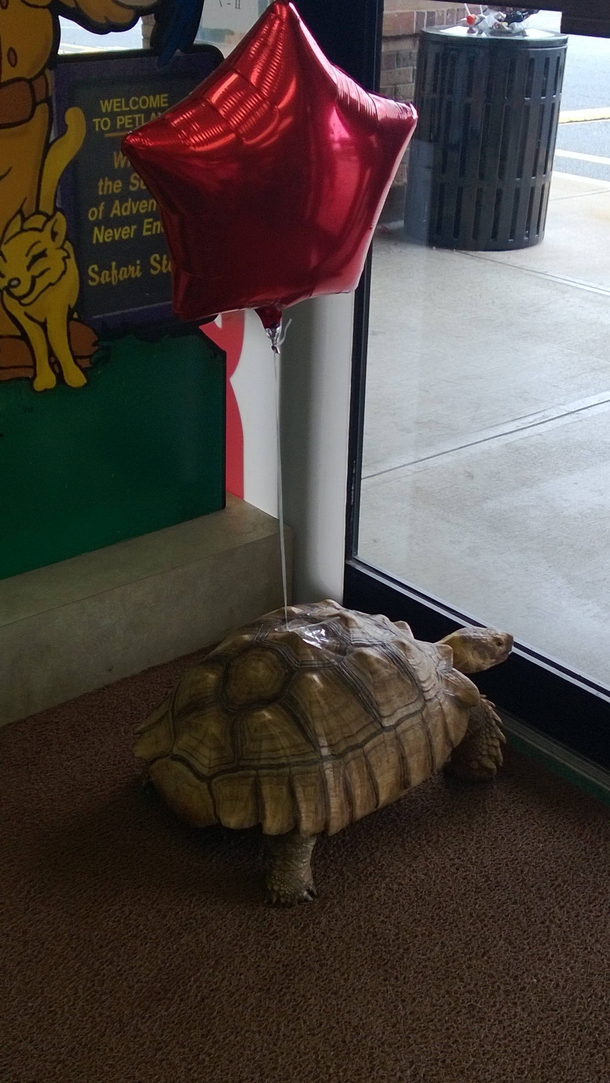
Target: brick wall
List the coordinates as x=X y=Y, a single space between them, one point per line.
x=402 y=22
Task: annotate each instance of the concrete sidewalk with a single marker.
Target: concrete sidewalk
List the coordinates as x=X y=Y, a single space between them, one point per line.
x=486 y=478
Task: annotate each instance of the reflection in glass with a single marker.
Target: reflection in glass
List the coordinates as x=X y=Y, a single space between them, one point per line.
x=486 y=473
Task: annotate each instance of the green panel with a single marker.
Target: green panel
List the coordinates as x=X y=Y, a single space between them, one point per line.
x=139 y=448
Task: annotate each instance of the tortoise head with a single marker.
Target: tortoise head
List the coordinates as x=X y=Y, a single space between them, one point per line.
x=475 y=649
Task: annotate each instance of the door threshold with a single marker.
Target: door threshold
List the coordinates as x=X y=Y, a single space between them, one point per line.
x=557 y=758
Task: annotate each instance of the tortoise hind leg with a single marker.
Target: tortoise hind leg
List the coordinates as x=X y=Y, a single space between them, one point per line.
x=289 y=879
x=479 y=755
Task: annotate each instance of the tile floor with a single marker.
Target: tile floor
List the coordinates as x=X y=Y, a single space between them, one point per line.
x=486 y=477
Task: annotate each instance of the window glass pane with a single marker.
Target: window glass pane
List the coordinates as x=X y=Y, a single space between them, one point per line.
x=223 y=23
x=486 y=472
x=76 y=40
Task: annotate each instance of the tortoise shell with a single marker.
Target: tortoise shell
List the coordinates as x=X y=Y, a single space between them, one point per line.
x=306 y=725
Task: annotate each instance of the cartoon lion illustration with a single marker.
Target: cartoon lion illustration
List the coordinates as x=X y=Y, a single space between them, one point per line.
x=29 y=37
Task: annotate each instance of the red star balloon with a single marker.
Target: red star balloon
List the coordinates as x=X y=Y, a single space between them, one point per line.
x=270 y=177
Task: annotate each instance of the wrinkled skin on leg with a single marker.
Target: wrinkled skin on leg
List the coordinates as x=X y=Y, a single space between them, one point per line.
x=479 y=755
x=289 y=879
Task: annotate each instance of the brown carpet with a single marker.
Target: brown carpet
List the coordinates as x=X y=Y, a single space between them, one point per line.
x=461 y=935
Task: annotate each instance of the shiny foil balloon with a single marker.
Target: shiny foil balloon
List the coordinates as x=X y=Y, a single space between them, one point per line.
x=271 y=175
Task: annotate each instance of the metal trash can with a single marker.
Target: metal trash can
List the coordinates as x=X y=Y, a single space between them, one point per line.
x=482 y=155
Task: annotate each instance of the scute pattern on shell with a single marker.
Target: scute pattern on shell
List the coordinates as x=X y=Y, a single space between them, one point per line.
x=308 y=726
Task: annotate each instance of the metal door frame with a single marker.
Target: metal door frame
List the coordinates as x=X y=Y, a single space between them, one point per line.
x=552 y=700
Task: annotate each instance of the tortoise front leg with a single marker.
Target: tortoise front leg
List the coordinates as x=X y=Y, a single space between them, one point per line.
x=479 y=755
x=289 y=879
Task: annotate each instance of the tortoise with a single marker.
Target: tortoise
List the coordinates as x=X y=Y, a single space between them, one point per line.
x=310 y=718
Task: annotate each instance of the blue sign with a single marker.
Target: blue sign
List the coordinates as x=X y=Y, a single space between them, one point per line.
x=113 y=221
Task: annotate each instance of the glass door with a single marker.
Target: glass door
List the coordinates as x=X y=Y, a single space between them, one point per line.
x=480 y=443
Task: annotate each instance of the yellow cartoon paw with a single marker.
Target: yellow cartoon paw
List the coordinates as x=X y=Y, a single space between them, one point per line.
x=75 y=378
x=44 y=381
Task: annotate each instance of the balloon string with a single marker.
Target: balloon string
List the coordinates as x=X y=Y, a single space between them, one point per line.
x=277 y=337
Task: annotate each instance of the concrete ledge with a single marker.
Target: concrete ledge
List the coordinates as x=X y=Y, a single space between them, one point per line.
x=86 y=622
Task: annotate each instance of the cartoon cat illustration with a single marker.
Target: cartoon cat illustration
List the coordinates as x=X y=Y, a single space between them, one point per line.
x=60 y=153
x=29 y=37
x=39 y=285
x=39 y=280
